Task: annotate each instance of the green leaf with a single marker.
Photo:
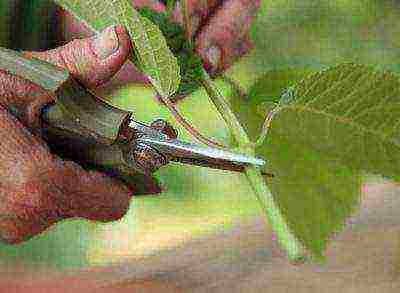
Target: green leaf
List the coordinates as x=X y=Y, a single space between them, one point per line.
x=189 y=62
x=349 y=113
x=151 y=50
x=270 y=86
x=332 y=126
x=314 y=194
x=267 y=89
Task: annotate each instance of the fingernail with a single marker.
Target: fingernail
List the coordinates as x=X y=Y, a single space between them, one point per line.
x=106 y=43
x=213 y=56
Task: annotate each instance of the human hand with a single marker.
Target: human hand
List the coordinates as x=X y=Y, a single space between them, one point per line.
x=38 y=188
x=220 y=29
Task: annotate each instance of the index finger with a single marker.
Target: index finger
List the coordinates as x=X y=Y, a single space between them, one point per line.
x=198 y=12
x=225 y=37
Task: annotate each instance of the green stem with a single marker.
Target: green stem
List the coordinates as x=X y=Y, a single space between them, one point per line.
x=286 y=239
x=187 y=125
x=267 y=124
x=235 y=86
x=224 y=109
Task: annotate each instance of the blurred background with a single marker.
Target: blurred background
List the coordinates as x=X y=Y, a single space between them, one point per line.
x=198 y=202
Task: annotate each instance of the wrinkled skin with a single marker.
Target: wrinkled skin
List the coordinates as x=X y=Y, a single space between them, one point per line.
x=38 y=188
x=220 y=29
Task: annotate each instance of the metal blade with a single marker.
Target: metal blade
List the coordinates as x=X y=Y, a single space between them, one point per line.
x=193 y=154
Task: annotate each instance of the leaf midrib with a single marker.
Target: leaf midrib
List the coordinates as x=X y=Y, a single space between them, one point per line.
x=301 y=108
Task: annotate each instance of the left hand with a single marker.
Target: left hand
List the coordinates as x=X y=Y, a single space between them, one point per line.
x=220 y=27
x=221 y=30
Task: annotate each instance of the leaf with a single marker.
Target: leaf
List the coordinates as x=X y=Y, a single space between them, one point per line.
x=151 y=51
x=189 y=62
x=314 y=194
x=349 y=113
x=332 y=126
x=267 y=89
x=271 y=85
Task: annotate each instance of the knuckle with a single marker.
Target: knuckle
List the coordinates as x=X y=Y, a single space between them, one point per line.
x=69 y=55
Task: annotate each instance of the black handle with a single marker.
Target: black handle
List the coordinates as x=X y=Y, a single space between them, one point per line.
x=80 y=126
x=85 y=129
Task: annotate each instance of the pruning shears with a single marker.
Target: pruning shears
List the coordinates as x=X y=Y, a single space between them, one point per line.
x=94 y=133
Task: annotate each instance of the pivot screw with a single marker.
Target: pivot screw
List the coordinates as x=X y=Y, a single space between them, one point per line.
x=165 y=128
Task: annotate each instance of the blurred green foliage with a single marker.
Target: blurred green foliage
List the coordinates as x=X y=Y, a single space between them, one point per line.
x=327 y=32
x=288 y=34
x=28 y=24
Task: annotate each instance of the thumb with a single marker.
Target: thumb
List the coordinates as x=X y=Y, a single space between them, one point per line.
x=92 y=60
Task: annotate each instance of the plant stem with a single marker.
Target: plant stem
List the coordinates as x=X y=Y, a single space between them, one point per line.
x=224 y=109
x=236 y=87
x=286 y=239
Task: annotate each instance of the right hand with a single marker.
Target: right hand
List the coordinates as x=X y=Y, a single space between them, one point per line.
x=37 y=188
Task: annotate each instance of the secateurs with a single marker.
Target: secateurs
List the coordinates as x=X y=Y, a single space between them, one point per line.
x=86 y=129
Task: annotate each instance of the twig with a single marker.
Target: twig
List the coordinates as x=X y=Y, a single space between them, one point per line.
x=188 y=126
x=235 y=85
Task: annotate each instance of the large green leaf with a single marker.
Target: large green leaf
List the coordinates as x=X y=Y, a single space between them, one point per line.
x=266 y=89
x=332 y=126
x=314 y=194
x=271 y=85
x=349 y=113
x=151 y=50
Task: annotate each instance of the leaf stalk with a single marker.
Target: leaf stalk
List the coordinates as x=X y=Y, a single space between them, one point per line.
x=266 y=125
